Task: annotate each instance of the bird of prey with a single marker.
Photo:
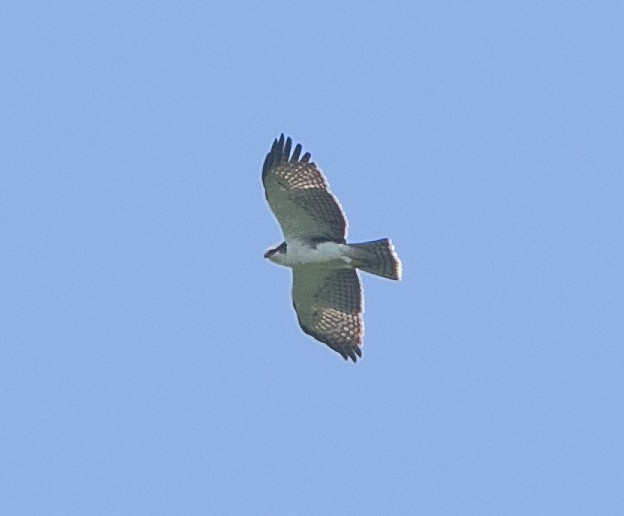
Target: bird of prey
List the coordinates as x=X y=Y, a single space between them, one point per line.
x=326 y=291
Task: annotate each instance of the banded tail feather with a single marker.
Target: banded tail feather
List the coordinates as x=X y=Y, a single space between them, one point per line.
x=377 y=257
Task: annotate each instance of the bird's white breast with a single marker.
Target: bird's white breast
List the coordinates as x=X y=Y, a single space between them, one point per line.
x=327 y=253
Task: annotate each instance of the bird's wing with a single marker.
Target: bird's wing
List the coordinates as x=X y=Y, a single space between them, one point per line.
x=329 y=305
x=299 y=196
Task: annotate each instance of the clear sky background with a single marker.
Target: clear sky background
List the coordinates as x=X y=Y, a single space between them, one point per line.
x=150 y=360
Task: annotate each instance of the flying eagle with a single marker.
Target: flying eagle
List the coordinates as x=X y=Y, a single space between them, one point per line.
x=327 y=293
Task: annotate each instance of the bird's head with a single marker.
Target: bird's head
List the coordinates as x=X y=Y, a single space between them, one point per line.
x=274 y=252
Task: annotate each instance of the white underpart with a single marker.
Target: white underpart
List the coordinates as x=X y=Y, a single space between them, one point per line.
x=329 y=254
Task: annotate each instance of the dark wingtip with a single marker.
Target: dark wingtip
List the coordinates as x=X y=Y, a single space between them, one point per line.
x=273 y=156
x=280 y=153
x=355 y=353
x=286 y=148
x=296 y=153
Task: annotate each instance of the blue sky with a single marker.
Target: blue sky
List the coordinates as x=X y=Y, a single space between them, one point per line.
x=150 y=360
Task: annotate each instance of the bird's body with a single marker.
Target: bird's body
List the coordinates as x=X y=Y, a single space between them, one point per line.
x=297 y=253
x=327 y=293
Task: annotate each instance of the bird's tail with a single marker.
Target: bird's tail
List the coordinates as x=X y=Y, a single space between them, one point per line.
x=377 y=257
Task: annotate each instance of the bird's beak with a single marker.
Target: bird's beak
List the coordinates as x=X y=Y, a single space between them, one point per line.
x=266 y=255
